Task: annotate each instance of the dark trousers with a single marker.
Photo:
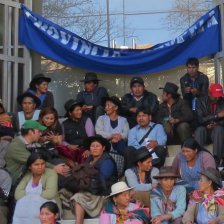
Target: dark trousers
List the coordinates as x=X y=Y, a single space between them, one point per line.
x=204 y=136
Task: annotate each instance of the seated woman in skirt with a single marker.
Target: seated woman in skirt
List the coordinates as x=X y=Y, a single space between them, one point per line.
x=121 y=209
x=92 y=201
x=206 y=205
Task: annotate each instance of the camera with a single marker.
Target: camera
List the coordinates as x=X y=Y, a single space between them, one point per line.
x=187 y=84
x=47 y=149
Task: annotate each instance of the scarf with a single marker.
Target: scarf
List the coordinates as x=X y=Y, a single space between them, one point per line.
x=123 y=215
x=167 y=204
x=148 y=179
x=209 y=201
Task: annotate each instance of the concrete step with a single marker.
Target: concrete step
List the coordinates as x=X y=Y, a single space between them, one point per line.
x=86 y=221
x=173 y=150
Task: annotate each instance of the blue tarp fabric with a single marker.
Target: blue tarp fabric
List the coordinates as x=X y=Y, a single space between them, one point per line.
x=55 y=42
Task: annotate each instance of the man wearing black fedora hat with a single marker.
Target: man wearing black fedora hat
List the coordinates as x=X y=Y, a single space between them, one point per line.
x=138 y=97
x=92 y=96
x=175 y=114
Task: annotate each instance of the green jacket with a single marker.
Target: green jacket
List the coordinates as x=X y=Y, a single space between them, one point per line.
x=16 y=157
x=49 y=180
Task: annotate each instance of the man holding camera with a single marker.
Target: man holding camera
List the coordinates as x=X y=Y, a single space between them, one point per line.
x=194 y=84
x=210 y=115
x=18 y=153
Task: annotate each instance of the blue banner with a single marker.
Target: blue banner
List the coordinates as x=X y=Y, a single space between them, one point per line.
x=55 y=42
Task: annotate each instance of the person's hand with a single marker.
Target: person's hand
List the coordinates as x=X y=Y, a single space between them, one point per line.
x=221 y=114
x=152 y=144
x=214 y=221
x=160 y=218
x=187 y=89
x=7 y=138
x=43 y=138
x=73 y=147
x=174 y=120
x=133 y=109
x=194 y=91
x=154 y=185
x=156 y=220
x=86 y=154
x=62 y=169
x=87 y=107
x=211 y=125
x=116 y=138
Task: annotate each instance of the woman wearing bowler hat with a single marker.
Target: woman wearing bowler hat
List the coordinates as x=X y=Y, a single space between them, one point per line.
x=141 y=175
x=92 y=200
x=39 y=88
x=168 y=200
x=76 y=129
x=206 y=205
x=121 y=209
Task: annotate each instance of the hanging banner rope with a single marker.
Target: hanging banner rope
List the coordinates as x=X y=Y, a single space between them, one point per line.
x=55 y=42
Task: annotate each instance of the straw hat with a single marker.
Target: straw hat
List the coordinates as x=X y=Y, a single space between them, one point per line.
x=119 y=187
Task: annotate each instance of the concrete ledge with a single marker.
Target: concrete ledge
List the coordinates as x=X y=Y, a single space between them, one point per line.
x=86 y=221
x=173 y=150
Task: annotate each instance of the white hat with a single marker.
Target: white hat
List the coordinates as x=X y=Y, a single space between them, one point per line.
x=119 y=187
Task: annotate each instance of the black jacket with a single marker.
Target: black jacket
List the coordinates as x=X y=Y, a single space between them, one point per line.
x=180 y=110
x=75 y=132
x=201 y=84
x=100 y=185
x=148 y=101
x=204 y=113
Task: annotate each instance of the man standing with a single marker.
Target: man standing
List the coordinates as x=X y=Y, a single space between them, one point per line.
x=92 y=96
x=17 y=152
x=149 y=134
x=175 y=114
x=139 y=97
x=194 y=84
x=210 y=115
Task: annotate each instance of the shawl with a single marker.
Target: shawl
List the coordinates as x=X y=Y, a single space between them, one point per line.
x=167 y=204
x=148 y=179
x=123 y=215
x=209 y=201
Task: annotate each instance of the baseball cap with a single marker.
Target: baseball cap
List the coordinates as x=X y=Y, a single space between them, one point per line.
x=31 y=124
x=136 y=79
x=216 y=90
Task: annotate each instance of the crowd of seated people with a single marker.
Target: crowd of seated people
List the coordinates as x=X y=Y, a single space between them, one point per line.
x=49 y=167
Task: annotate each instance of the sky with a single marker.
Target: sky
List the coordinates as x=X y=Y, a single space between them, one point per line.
x=148 y=28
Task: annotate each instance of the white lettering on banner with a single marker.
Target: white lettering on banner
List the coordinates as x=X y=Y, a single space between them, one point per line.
x=105 y=53
x=193 y=30
x=52 y=31
x=199 y=27
x=94 y=50
x=116 y=54
x=85 y=48
x=65 y=40
x=38 y=23
x=75 y=43
x=44 y=27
